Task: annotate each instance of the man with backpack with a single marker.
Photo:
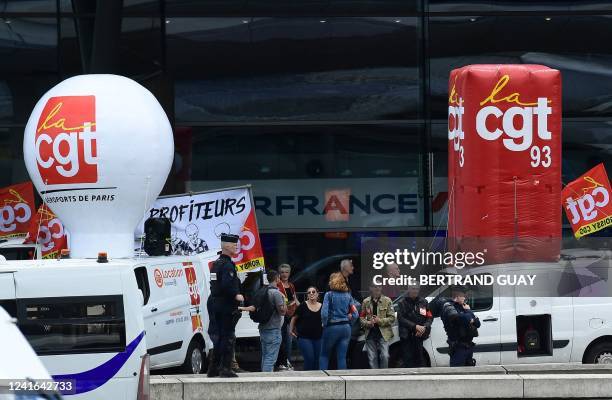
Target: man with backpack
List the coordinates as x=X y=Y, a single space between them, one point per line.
x=268 y=309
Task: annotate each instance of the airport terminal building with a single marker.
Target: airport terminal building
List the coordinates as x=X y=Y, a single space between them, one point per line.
x=335 y=111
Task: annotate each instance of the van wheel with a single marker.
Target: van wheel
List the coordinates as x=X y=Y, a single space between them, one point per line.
x=601 y=353
x=194 y=360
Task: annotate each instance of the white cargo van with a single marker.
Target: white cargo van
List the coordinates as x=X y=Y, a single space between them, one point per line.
x=570 y=329
x=175 y=290
x=84 y=321
x=98 y=323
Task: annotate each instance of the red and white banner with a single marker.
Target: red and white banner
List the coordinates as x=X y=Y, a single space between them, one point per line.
x=504 y=132
x=17 y=207
x=587 y=202
x=50 y=231
x=198 y=220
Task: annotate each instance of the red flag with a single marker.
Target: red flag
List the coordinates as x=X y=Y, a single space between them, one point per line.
x=587 y=202
x=16 y=209
x=250 y=255
x=50 y=230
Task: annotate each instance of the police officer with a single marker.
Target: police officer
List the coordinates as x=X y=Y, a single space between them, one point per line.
x=461 y=326
x=222 y=305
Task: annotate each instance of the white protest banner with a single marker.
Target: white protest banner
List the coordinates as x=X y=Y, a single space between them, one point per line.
x=199 y=219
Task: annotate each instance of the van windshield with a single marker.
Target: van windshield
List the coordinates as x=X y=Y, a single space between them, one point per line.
x=72 y=325
x=18 y=252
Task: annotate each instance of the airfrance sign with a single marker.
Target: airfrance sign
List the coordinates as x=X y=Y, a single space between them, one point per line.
x=333 y=203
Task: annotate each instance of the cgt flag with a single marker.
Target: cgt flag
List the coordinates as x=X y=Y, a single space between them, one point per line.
x=587 y=202
x=16 y=202
x=199 y=219
x=50 y=231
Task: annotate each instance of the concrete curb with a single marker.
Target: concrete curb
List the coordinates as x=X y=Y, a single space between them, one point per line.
x=564 y=386
x=268 y=388
x=434 y=387
x=534 y=381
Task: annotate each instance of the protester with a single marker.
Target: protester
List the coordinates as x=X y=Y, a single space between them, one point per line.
x=347 y=269
x=307 y=328
x=414 y=322
x=461 y=326
x=338 y=310
x=392 y=271
x=377 y=317
x=270 y=329
x=222 y=303
x=283 y=363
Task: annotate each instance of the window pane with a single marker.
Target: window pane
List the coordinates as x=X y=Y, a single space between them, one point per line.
x=560 y=42
x=369 y=173
x=73 y=325
x=517 y=5
x=136 y=53
x=140 y=50
x=28 y=6
x=290 y=8
x=28 y=48
x=270 y=69
x=585 y=144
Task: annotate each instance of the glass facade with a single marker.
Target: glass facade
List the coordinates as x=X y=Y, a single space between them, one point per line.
x=310 y=99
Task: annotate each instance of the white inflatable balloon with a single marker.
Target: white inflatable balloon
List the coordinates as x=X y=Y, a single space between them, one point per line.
x=99 y=149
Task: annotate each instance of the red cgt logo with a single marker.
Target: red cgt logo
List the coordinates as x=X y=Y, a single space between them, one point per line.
x=66 y=151
x=159 y=279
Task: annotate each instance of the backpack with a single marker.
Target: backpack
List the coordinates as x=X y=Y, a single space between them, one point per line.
x=531 y=340
x=263 y=306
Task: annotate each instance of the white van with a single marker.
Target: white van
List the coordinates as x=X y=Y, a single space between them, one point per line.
x=84 y=321
x=19 y=366
x=175 y=290
x=570 y=329
x=98 y=323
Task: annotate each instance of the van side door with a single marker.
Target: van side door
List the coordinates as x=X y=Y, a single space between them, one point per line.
x=166 y=313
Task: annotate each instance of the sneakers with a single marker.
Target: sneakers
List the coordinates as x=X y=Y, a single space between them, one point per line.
x=284 y=367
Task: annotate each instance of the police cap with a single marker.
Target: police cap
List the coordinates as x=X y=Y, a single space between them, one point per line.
x=229 y=238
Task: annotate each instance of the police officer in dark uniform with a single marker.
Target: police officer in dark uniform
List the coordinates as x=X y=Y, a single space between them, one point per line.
x=461 y=326
x=222 y=305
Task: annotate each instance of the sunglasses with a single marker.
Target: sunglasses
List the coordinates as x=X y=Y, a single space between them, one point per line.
x=312 y=292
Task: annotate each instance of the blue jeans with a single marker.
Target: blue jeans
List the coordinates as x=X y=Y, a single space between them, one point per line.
x=270 y=344
x=335 y=336
x=311 y=351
